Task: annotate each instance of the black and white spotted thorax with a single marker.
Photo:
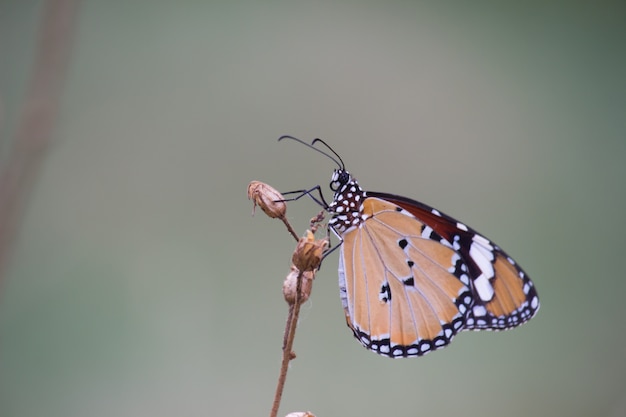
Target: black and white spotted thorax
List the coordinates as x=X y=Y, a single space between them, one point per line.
x=347 y=205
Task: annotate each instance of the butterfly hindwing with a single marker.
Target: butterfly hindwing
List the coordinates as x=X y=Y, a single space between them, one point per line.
x=405 y=289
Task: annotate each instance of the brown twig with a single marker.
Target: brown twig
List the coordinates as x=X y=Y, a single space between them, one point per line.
x=290 y=229
x=297 y=287
x=38 y=114
x=305 y=262
x=288 y=355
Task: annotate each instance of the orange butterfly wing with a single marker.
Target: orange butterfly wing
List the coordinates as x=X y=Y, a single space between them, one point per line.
x=404 y=293
x=504 y=296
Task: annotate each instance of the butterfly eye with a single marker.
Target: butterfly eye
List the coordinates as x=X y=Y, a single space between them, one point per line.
x=335 y=180
x=339 y=179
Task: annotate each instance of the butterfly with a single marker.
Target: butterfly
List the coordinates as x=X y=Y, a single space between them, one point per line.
x=412 y=277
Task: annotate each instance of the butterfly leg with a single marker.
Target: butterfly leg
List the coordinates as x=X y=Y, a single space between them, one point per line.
x=331 y=248
x=321 y=202
x=301 y=193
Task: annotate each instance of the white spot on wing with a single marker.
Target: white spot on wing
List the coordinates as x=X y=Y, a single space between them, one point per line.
x=455 y=242
x=534 y=303
x=483 y=259
x=483 y=242
x=479 y=311
x=483 y=288
x=482 y=254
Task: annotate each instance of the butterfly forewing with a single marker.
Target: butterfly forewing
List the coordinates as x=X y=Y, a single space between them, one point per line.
x=504 y=296
x=514 y=302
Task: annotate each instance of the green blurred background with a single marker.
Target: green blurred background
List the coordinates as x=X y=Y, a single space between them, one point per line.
x=141 y=285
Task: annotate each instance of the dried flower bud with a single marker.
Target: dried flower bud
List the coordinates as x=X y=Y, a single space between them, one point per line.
x=266 y=197
x=291 y=283
x=309 y=252
x=316 y=221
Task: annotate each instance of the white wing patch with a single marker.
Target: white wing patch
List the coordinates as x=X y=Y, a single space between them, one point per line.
x=482 y=254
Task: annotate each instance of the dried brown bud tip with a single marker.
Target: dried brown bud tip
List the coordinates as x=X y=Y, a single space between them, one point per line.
x=317 y=220
x=291 y=283
x=266 y=197
x=309 y=252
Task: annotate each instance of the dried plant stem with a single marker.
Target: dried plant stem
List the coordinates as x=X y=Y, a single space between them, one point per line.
x=288 y=355
x=305 y=260
x=291 y=230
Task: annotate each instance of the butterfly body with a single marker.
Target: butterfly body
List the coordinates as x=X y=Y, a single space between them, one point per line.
x=411 y=277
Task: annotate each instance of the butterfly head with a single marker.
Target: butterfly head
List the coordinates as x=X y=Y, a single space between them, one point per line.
x=340 y=179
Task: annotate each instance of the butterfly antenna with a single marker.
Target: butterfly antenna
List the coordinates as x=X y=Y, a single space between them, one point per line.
x=342 y=165
x=338 y=162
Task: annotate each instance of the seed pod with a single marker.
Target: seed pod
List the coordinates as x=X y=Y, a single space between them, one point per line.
x=309 y=252
x=291 y=282
x=268 y=198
